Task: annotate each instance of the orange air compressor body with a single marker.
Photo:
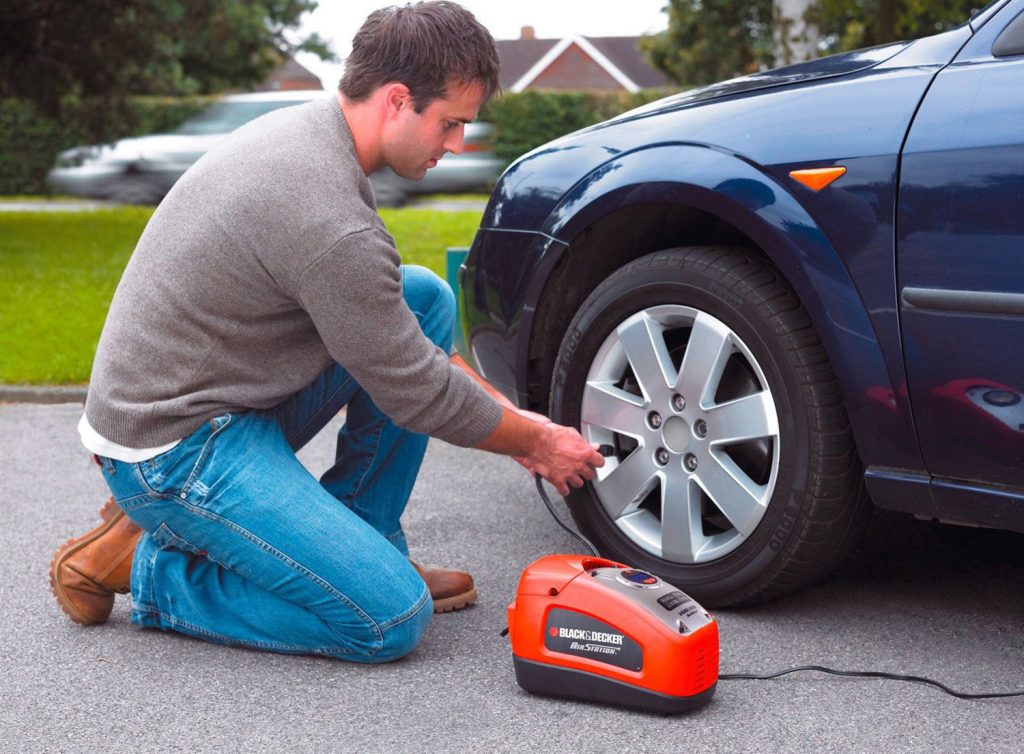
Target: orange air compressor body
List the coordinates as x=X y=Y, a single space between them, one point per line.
x=590 y=628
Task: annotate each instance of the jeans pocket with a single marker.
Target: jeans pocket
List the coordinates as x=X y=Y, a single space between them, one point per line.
x=176 y=471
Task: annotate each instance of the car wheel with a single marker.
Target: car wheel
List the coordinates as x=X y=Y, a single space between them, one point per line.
x=133 y=189
x=387 y=189
x=731 y=469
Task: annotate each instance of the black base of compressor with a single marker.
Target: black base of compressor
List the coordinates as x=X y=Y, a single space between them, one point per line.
x=550 y=680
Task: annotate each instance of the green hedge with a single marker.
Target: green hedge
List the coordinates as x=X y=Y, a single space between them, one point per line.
x=525 y=120
x=29 y=142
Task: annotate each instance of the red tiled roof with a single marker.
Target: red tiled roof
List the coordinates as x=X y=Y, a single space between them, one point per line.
x=624 y=53
x=517 y=56
x=290 y=74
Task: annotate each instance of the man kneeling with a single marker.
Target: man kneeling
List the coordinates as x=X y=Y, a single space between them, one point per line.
x=264 y=296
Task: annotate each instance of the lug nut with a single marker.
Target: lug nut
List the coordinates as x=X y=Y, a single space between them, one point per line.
x=678 y=402
x=661 y=456
x=690 y=461
x=654 y=419
x=700 y=427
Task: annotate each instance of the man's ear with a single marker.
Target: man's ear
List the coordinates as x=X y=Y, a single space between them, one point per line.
x=397 y=98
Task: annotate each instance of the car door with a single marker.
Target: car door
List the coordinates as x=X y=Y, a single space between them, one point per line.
x=960 y=265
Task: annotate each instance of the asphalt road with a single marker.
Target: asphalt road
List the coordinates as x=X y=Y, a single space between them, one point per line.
x=942 y=602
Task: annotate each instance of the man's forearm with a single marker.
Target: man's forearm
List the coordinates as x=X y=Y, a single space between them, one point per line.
x=493 y=391
x=559 y=454
x=514 y=436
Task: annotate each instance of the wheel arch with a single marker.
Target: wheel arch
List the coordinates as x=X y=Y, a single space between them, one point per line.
x=682 y=195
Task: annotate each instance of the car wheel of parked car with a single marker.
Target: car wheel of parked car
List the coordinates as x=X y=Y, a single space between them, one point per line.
x=136 y=190
x=731 y=469
x=387 y=189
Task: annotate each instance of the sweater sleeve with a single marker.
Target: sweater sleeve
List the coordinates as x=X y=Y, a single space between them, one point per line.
x=353 y=294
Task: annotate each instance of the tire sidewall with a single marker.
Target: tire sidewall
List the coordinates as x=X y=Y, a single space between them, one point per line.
x=641 y=285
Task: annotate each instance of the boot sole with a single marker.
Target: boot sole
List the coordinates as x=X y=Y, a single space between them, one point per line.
x=109 y=513
x=456 y=602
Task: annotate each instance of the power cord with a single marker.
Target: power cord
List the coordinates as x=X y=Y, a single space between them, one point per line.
x=547 y=501
x=868 y=674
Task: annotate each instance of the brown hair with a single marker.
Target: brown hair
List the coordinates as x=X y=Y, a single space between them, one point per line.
x=426 y=46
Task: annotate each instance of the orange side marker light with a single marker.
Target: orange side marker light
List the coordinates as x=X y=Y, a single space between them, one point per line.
x=817 y=178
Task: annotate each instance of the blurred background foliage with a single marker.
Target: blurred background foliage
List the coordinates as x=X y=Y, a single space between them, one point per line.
x=527 y=119
x=86 y=59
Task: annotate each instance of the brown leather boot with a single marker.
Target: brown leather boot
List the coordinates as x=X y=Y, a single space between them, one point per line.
x=87 y=571
x=451 y=589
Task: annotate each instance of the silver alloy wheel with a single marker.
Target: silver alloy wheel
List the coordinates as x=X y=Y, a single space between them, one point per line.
x=673 y=484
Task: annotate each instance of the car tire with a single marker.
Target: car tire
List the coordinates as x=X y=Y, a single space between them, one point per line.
x=732 y=475
x=388 y=190
x=134 y=189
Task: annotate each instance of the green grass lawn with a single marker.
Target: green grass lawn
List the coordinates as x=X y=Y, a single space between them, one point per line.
x=58 y=272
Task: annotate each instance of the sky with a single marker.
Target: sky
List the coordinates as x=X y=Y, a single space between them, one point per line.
x=337 y=21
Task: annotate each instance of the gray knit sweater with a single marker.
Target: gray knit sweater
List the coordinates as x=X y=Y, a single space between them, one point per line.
x=265 y=262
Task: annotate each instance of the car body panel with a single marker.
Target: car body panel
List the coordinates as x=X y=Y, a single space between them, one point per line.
x=722 y=118
x=96 y=171
x=811 y=70
x=729 y=152
x=961 y=267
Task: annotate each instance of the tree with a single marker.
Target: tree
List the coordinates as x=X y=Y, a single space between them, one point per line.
x=794 y=31
x=90 y=56
x=852 y=24
x=710 y=40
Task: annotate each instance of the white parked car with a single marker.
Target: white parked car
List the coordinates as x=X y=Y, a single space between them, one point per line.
x=142 y=170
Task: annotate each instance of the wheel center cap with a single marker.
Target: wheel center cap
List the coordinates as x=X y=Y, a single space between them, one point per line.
x=676 y=434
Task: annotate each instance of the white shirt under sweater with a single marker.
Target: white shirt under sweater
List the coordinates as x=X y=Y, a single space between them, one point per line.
x=94 y=442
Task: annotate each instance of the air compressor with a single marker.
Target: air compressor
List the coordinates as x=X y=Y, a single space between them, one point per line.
x=592 y=629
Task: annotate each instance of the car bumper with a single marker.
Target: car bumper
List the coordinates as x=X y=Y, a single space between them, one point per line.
x=87 y=180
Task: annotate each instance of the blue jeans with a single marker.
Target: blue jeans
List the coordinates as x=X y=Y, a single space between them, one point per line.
x=243 y=546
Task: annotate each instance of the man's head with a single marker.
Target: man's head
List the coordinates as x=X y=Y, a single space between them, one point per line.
x=423 y=70
x=427 y=46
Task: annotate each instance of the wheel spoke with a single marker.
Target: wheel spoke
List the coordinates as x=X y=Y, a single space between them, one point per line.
x=706 y=354
x=682 y=534
x=627 y=483
x=748 y=418
x=644 y=342
x=733 y=492
x=605 y=405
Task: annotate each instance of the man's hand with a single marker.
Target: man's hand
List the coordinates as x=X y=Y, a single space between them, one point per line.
x=564 y=458
x=557 y=453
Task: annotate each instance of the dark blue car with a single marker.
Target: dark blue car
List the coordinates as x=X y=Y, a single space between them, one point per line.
x=773 y=301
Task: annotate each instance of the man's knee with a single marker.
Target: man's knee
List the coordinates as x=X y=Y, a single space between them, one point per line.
x=432 y=301
x=400 y=636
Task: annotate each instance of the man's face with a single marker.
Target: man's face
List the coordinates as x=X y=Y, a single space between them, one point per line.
x=415 y=142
